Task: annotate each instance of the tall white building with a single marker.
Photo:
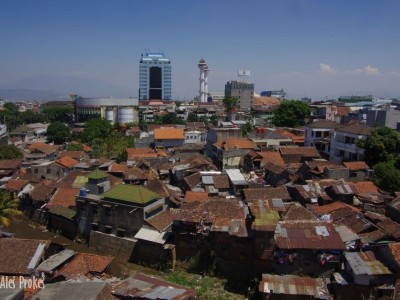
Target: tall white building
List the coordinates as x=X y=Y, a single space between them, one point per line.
x=155 y=79
x=203 y=80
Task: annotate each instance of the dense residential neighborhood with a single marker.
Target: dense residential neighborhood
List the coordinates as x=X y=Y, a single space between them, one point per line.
x=279 y=212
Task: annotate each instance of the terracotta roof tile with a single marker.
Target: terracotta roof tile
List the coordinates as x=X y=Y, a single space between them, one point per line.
x=362 y=187
x=230 y=144
x=15 y=184
x=356 y=165
x=168 y=134
x=267 y=193
x=195 y=196
x=64 y=197
x=69 y=179
x=10 y=163
x=193 y=180
x=356 y=128
x=83 y=264
x=42 y=192
x=74 y=154
x=304 y=151
x=16 y=255
x=136 y=153
x=67 y=162
x=135 y=173
x=162 y=220
x=43 y=147
x=273 y=157
x=221 y=181
x=299 y=212
x=118 y=168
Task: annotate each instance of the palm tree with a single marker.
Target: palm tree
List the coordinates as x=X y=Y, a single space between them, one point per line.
x=8 y=209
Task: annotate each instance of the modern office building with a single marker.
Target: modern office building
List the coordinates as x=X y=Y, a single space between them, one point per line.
x=155 y=79
x=280 y=94
x=244 y=91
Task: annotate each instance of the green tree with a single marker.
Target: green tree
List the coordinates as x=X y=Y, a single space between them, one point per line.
x=57 y=132
x=231 y=103
x=383 y=145
x=192 y=117
x=291 y=114
x=96 y=129
x=10 y=152
x=75 y=147
x=62 y=114
x=8 y=208
x=387 y=177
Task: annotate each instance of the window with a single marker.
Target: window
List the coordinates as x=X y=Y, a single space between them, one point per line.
x=48 y=171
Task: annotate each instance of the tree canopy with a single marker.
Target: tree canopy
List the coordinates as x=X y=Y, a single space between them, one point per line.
x=57 y=132
x=8 y=208
x=291 y=113
x=387 y=176
x=231 y=103
x=10 y=152
x=96 y=128
x=383 y=145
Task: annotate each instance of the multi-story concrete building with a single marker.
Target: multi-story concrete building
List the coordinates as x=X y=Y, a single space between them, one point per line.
x=155 y=79
x=244 y=91
x=343 y=142
x=319 y=134
x=388 y=117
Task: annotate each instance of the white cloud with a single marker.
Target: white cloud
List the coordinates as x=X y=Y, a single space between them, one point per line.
x=324 y=68
x=368 y=70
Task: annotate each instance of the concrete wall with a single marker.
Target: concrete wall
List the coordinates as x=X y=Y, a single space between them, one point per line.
x=122 y=248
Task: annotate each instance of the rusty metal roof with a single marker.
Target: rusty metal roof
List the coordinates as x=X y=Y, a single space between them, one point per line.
x=294 y=285
x=307 y=235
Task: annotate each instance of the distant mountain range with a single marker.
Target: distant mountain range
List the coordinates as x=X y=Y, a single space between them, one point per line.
x=44 y=87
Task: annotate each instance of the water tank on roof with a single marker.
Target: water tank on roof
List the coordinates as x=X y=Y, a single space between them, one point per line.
x=258 y=129
x=82 y=192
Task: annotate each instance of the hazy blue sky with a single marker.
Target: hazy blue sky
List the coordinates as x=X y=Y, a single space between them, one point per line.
x=312 y=48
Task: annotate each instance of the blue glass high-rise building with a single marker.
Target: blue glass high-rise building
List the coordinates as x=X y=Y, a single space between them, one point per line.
x=155 y=79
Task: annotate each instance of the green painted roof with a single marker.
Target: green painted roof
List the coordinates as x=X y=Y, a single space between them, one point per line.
x=62 y=211
x=97 y=174
x=267 y=218
x=130 y=193
x=23 y=129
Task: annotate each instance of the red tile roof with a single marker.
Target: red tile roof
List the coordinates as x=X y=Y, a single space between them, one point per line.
x=83 y=264
x=64 y=197
x=16 y=255
x=67 y=162
x=230 y=144
x=162 y=220
x=356 y=165
x=10 y=163
x=74 y=154
x=168 y=134
x=15 y=184
x=118 y=168
x=43 y=147
x=195 y=196
x=272 y=157
x=135 y=153
x=304 y=151
x=362 y=187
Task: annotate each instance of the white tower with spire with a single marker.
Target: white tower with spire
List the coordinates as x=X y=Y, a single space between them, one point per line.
x=203 y=80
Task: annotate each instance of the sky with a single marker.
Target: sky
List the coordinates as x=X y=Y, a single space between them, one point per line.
x=311 y=48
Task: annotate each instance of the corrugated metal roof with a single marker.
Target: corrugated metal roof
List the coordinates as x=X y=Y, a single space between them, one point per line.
x=151 y=235
x=236 y=176
x=365 y=265
x=55 y=261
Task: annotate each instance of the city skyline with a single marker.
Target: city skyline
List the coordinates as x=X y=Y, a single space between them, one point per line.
x=309 y=48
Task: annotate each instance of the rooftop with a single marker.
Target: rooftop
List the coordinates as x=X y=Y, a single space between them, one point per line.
x=131 y=193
